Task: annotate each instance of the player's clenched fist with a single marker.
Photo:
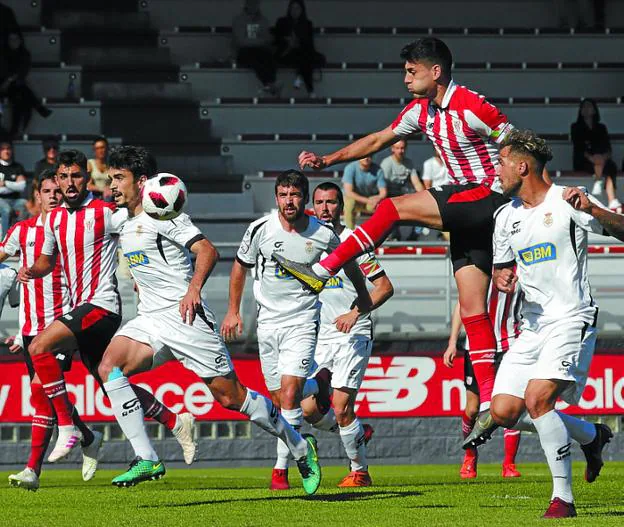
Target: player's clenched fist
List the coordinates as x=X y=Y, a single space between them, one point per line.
x=232 y=326
x=310 y=159
x=504 y=279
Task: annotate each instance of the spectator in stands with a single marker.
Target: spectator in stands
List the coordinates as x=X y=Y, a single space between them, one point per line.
x=399 y=172
x=294 y=40
x=364 y=187
x=97 y=167
x=592 y=150
x=13 y=85
x=252 y=45
x=8 y=25
x=434 y=172
x=50 y=152
x=12 y=187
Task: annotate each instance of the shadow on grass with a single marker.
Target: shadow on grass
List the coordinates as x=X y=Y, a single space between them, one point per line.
x=326 y=498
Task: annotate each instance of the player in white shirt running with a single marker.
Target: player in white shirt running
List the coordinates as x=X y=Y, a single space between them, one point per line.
x=173 y=322
x=345 y=343
x=544 y=232
x=288 y=315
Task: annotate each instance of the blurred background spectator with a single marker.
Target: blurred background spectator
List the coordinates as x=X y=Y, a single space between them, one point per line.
x=252 y=45
x=294 y=40
x=434 y=172
x=14 y=68
x=50 y=147
x=12 y=187
x=8 y=25
x=364 y=187
x=592 y=150
x=399 y=172
x=98 y=169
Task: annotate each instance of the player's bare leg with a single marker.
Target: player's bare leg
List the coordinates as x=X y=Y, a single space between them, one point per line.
x=231 y=394
x=54 y=338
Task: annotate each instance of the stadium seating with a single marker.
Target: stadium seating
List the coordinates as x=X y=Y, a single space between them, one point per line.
x=56 y=82
x=44 y=46
x=190 y=45
x=231 y=117
x=28 y=152
x=70 y=118
x=369 y=80
x=28 y=13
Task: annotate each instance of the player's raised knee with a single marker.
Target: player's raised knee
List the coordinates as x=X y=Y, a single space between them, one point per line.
x=37 y=346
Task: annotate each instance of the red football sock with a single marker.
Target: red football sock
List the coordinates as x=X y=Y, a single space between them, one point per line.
x=42 y=427
x=512 y=442
x=467 y=424
x=49 y=371
x=154 y=409
x=364 y=238
x=482 y=349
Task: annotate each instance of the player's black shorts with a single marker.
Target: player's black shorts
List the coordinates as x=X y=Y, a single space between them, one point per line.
x=467 y=212
x=64 y=358
x=469 y=377
x=93 y=327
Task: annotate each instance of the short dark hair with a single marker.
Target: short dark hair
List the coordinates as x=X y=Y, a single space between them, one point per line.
x=136 y=159
x=72 y=157
x=293 y=178
x=45 y=174
x=527 y=142
x=100 y=138
x=6 y=142
x=431 y=50
x=49 y=142
x=328 y=185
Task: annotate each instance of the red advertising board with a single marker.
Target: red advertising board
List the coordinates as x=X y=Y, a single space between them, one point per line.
x=394 y=386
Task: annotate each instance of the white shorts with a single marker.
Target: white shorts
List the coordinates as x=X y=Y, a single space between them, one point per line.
x=346 y=359
x=557 y=351
x=286 y=351
x=198 y=347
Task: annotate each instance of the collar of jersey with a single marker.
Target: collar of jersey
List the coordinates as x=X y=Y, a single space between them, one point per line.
x=449 y=93
x=86 y=201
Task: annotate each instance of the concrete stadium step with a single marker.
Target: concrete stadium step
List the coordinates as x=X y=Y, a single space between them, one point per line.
x=250 y=157
x=28 y=14
x=29 y=151
x=206 y=45
x=211 y=83
x=56 y=82
x=44 y=45
x=140 y=57
x=250 y=116
x=104 y=18
x=140 y=91
x=68 y=117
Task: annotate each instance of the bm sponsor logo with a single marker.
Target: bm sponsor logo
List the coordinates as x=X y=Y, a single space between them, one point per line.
x=335 y=282
x=542 y=252
x=136 y=258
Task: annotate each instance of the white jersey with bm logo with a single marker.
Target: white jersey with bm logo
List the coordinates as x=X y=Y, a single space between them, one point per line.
x=549 y=244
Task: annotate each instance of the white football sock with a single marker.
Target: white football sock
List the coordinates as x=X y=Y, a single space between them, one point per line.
x=320 y=271
x=310 y=388
x=352 y=437
x=264 y=413
x=556 y=443
x=581 y=431
x=524 y=424
x=327 y=422
x=294 y=418
x=129 y=414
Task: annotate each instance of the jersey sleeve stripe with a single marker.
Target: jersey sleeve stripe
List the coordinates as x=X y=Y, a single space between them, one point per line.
x=245 y=264
x=194 y=240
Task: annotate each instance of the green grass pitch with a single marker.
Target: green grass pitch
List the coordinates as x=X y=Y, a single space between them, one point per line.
x=402 y=495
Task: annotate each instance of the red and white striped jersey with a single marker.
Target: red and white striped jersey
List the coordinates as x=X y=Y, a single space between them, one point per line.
x=86 y=241
x=42 y=299
x=504 y=312
x=464 y=130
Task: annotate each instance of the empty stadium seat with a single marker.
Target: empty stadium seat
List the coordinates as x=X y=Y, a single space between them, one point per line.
x=44 y=46
x=54 y=82
x=70 y=118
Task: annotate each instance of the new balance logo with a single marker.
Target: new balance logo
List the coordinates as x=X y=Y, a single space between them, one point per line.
x=563 y=452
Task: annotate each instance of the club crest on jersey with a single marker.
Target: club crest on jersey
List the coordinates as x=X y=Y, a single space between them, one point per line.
x=280 y=274
x=309 y=247
x=136 y=258
x=542 y=252
x=458 y=127
x=335 y=282
x=139 y=230
x=548 y=219
x=89 y=225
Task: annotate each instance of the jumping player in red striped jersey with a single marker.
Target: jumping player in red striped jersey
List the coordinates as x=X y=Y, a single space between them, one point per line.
x=41 y=301
x=465 y=130
x=503 y=310
x=82 y=235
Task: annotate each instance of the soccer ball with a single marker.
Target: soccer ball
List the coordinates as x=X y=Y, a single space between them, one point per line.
x=164 y=196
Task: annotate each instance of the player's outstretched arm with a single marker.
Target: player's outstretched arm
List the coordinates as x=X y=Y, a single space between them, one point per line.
x=232 y=325
x=611 y=222
x=363 y=147
x=205 y=261
x=42 y=267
